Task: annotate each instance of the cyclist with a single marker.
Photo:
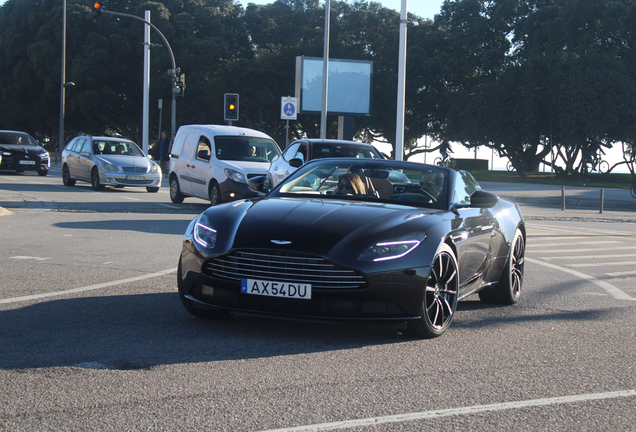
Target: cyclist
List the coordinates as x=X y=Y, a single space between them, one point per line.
x=444 y=149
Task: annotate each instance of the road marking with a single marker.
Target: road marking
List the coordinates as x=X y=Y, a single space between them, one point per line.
x=607 y=264
x=578 y=243
x=579 y=250
x=88 y=288
x=401 y=418
x=129 y=198
x=589 y=256
x=29 y=258
x=611 y=289
x=621 y=274
x=170 y=205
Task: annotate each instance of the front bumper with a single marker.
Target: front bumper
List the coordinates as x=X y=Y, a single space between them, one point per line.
x=138 y=180
x=394 y=295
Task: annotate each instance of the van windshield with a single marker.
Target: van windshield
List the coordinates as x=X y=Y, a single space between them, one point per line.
x=248 y=149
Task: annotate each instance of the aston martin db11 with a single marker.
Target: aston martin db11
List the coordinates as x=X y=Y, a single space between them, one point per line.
x=356 y=239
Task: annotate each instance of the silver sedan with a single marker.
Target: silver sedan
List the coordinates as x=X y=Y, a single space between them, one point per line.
x=108 y=161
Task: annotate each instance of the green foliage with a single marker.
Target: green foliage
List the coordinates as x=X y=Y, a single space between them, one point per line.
x=513 y=75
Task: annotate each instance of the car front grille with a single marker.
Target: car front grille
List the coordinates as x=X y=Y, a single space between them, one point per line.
x=134 y=170
x=280 y=266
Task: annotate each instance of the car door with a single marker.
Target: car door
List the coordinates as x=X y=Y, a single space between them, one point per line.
x=73 y=156
x=200 y=167
x=85 y=160
x=280 y=168
x=184 y=162
x=475 y=231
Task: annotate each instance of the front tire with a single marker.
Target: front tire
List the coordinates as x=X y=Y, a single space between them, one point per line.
x=440 y=297
x=95 y=184
x=42 y=173
x=603 y=167
x=508 y=289
x=214 y=193
x=152 y=189
x=175 y=191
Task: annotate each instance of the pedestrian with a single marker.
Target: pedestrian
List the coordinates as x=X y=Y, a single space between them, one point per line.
x=163 y=150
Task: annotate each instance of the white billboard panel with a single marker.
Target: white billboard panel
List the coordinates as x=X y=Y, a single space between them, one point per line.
x=350 y=86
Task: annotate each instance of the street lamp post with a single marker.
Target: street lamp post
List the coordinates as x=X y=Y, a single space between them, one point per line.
x=399 y=129
x=62 y=84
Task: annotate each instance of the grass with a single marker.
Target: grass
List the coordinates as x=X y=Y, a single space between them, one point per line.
x=615 y=181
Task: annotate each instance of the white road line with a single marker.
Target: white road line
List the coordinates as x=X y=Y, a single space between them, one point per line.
x=611 y=289
x=170 y=205
x=568 y=230
x=599 y=256
x=402 y=418
x=577 y=243
x=579 y=250
x=29 y=258
x=621 y=274
x=87 y=288
x=605 y=264
x=129 y=198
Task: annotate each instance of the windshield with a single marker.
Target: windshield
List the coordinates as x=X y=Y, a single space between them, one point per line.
x=247 y=149
x=406 y=183
x=323 y=150
x=17 y=138
x=110 y=147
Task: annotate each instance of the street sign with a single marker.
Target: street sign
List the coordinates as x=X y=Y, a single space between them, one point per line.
x=288 y=108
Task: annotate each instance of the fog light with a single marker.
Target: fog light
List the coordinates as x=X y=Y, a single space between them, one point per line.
x=232 y=194
x=207 y=290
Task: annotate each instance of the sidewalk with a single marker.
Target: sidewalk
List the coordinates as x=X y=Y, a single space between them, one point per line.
x=580 y=198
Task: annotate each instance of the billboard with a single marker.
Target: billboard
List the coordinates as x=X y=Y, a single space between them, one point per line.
x=350 y=86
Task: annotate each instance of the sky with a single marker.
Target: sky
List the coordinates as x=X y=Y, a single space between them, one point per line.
x=421 y=8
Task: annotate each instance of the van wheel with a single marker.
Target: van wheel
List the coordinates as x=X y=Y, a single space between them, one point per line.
x=214 y=193
x=175 y=191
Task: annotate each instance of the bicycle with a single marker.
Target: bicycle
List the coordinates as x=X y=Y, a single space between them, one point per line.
x=520 y=162
x=601 y=166
x=445 y=162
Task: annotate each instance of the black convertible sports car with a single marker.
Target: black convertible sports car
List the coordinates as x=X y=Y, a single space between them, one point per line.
x=356 y=239
x=20 y=152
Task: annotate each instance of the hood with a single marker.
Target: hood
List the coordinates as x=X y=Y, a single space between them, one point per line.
x=246 y=167
x=30 y=149
x=318 y=226
x=125 y=160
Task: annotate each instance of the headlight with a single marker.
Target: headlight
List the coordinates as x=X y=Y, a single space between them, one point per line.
x=5 y=153
x=203 y=234
x=155 y=169
x=235 y=175
x=44 y=155
x=389 y=250
x=111 y=167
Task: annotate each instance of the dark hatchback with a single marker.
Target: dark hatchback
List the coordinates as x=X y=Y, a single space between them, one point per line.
x=21 y=152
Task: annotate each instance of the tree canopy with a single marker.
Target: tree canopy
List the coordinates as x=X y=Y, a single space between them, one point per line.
x=531 y=76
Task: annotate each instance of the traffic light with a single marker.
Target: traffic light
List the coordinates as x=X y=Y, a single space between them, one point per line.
x=97 y=9
x=231 y=108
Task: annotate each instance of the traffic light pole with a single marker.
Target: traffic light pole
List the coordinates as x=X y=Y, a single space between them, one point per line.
x=174 y=69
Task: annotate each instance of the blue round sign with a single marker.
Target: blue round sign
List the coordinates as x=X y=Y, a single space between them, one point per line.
x=289 y=109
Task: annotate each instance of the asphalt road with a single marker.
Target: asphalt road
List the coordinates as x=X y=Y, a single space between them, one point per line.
x=93 y=335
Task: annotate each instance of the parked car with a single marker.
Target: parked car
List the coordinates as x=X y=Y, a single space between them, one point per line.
x=302 y=151
x=20 y=152
x=214 y=162
x=108 y=161
x=327 y=244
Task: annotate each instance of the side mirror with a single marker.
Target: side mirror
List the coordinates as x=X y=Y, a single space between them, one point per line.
x=483 y=199
x=259 y=184
x=296 y=162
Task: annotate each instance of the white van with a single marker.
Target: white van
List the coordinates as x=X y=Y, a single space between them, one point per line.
x=213 y=162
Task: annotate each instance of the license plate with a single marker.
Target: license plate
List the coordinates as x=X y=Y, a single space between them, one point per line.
x=25 y=162
x=276 y=289
x=130 y=177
